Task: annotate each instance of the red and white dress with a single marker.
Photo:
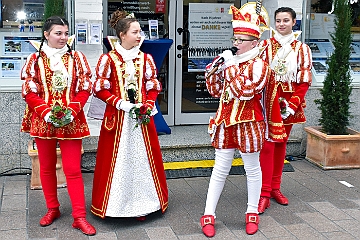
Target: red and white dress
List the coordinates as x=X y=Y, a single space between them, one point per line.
x=129 y=178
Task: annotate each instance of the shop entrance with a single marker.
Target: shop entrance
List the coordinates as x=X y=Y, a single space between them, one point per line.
x=203 y=30
x=200 y=29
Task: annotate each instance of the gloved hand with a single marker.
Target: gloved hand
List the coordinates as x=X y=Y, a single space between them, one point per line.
x=228 y=58
x=55 y=124
x=287 y=113
x=47 y=117
x=126 y=106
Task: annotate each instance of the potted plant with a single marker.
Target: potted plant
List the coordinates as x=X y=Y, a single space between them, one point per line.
x=333 y=145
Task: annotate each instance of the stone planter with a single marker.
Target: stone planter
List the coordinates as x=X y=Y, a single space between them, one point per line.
x=333 y=151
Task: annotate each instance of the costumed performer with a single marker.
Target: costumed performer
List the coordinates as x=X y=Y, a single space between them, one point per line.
x=129 y=178
x=56 y=87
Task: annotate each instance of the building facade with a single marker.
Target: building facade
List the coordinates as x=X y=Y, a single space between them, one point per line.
x=200 y=29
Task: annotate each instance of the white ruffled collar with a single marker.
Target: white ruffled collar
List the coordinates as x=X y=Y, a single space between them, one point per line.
x=247 y=55
x=127 y=55
x=55 y=55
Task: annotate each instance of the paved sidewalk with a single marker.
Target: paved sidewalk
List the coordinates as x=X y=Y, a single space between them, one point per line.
x=320 y=208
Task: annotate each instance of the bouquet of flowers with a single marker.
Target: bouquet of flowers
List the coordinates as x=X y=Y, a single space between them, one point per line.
x=60 y=116
x=141 y=113
x=283 y=105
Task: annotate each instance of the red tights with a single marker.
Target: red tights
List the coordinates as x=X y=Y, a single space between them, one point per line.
x=71 y=161
x=272 y=158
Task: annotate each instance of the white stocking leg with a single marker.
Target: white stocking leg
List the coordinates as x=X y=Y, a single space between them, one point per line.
x=253 y=179
x=223 y=161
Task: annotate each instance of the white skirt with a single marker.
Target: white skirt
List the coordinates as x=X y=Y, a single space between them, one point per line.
x=132 y=192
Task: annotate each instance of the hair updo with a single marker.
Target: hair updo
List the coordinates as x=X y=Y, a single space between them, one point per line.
x=120 y=21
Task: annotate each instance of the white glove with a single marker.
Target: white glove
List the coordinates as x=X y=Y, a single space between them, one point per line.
x=71 y=118
x=287 y=113
x=126 y=106
x=47 y=117
x=55 y=124
x=228 y=58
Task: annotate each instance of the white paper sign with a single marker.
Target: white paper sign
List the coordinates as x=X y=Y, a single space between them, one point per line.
x=95 y=33
x=153 y=29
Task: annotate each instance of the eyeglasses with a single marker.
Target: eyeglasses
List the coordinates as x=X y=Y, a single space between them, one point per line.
x=240 y=40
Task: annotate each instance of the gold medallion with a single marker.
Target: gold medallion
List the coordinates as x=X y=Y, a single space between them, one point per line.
x=280 y=68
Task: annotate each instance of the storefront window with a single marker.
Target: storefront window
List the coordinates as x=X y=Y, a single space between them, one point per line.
x=319 y=27
x=25 y=15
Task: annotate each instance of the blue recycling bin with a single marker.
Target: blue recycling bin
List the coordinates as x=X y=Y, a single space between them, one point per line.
x=158 y=48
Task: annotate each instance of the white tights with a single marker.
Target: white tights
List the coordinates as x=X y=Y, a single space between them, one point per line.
x=223 y=161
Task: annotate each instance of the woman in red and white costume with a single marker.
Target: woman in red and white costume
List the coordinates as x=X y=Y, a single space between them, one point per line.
x=58 y=76
x=291 y=62
x=129 y=178
x=239 y=121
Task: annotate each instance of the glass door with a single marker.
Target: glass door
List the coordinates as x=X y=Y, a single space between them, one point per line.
x=203 y=30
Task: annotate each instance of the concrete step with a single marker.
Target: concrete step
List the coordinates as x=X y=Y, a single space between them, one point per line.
x=185 y=143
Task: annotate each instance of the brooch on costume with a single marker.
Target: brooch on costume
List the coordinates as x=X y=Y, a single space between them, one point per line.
x=59 y=81
x=280 y=68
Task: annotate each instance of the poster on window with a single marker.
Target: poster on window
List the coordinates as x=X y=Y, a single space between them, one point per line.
x=210 y=32
x=10 y=67
x=18 y=45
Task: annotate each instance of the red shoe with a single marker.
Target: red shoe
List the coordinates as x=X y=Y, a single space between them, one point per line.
x=264 y=203
x=141 y=218
x=49 y=217
x=207 y=223
x=252 y=222
x=83 y=225
x=279 y=197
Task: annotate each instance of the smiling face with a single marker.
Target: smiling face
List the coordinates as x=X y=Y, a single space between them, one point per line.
x=131 y=38
x=284 y=23
x=243 y=43
x=57 y=36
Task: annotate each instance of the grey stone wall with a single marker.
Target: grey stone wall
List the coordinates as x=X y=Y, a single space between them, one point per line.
x=13 y=143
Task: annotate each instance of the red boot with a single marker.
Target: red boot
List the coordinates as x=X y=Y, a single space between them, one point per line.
x=207 y=223
x=83 y=225
x=279 y=197
x=252 y=222
x=264 y=203
x=49 y=217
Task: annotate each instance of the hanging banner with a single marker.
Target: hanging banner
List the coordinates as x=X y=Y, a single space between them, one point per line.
x=210 y=32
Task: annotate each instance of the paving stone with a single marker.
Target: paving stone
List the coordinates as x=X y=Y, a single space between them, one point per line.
x=105 y=236
x=15 y=188
x=338 y=235
x=329 y=211
x=126 y=234
x=272 y=229
x=13 y=203
x=18 y=234
x=319 y=222
x=192 y=237
x=160 y=233
x=350 y=226
x=304 y=231
x=11 y=220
